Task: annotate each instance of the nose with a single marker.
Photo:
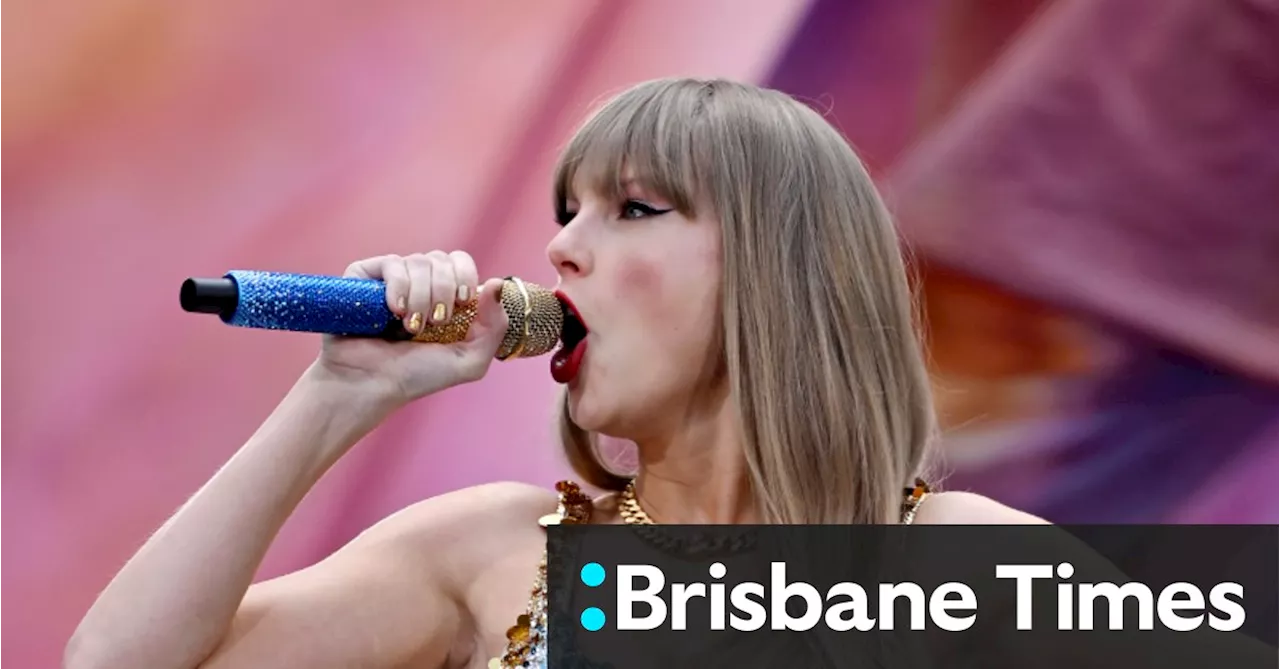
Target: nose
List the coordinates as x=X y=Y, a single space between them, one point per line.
x=568 y=253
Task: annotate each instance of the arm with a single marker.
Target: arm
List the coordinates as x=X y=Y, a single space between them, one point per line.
x=176 y=599
x=185 y=599
x=397 y=595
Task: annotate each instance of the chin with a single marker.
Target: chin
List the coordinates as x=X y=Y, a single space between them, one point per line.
x=589 y=412
x=581 y=409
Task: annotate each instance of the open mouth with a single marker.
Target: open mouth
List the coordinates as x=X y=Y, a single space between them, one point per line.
x=573 y=331
x=568 y=358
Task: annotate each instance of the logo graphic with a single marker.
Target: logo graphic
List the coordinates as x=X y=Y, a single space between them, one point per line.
x=592 y=576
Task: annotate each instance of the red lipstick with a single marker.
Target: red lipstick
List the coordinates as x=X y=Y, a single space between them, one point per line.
x=567 y=360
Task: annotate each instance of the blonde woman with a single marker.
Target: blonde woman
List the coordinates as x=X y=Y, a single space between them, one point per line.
x=740 y=312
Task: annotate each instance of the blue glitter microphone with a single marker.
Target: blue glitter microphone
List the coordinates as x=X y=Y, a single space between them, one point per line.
x=355 y=307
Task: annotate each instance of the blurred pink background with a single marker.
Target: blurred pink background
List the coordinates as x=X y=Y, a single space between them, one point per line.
x=1089 y=187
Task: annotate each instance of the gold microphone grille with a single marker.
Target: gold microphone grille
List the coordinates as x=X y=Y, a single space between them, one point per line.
x=535 y=319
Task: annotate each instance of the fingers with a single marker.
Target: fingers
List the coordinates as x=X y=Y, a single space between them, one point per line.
x=444 y=288
x=424 y=288
x=420 y=301
x=391 y=270
x=439 y=282
x=369 y=268
x=491 y=318
x=464 y=270
x=485 y=334
x=396 y=275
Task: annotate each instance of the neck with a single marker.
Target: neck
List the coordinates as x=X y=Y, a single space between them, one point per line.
x=697 y=474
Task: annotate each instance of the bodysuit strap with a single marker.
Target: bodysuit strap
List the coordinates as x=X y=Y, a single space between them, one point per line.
x=574 y=507
x=912 y=498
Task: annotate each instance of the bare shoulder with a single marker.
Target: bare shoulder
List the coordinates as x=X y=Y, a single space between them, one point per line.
x=400 y=585
x=498 y=502
x=967 y=508
x=469 y=513
x=461 y=531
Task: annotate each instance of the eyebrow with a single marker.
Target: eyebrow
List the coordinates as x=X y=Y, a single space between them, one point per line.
x=570 y=193
x=642 y=184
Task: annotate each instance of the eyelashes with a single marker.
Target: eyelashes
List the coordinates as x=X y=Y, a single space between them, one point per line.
x=633 y=209
x=630 y=210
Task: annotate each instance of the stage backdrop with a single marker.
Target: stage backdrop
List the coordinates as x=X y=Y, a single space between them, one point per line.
x=1089 y=189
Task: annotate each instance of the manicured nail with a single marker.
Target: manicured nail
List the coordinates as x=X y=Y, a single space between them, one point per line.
x=402 y=304
x=463 y=293
x=415 y=323
x=437 y=314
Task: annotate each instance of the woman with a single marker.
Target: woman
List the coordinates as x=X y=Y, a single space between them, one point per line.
x=747 y=324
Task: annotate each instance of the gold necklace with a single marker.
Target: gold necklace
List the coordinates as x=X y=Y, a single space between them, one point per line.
x=632 y=512
x=691 y=544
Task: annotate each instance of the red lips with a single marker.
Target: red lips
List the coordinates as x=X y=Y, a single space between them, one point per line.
x=567 y=360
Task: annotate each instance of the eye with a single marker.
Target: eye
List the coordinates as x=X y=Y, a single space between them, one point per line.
x=634 y=209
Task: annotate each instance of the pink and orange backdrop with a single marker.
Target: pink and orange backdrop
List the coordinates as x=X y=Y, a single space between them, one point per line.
x=1089 y=189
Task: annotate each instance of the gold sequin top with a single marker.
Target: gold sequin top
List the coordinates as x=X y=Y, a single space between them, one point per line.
x=527 y=639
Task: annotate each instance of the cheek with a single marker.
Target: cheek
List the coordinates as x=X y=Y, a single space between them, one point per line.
x=639 y=281
x=673 y=298
x=672 y=279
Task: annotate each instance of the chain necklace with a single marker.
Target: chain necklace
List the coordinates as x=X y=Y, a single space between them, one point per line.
x=632 y=512
x=690 y=544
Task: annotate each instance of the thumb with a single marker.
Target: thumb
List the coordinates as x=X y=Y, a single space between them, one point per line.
x=490 y=324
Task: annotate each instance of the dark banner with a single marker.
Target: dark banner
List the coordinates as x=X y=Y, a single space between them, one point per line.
x=1166 y=597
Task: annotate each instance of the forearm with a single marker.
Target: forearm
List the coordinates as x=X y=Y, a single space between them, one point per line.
x=174 y=600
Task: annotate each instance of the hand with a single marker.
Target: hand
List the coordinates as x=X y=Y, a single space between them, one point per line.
x=423 y=290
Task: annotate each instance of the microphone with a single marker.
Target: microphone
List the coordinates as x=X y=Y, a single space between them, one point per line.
x=356 y=307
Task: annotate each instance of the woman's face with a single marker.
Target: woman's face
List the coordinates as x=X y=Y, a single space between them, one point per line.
x=644 y=281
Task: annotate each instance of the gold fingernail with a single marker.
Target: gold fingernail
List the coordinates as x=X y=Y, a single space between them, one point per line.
x=437 y=314
x=415 y=322
x=463 y=292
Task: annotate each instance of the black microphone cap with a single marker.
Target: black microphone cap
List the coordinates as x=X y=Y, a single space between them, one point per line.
x=210 y=296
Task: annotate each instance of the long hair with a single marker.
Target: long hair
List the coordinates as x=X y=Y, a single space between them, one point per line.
x=818 y=336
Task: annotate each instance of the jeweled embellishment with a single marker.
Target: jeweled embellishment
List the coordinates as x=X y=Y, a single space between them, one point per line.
x=527 y=639
x=519 y=633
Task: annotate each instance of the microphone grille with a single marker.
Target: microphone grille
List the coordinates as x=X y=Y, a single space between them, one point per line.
x=535 y=320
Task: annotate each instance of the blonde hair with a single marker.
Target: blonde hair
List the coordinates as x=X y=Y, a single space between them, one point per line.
x=819 y=342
